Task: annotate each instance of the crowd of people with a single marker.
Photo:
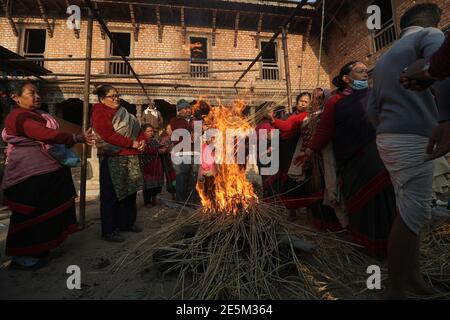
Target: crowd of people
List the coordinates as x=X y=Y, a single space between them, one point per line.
x=357 y=158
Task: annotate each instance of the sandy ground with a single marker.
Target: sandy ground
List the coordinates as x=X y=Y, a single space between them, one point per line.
x=95 y=257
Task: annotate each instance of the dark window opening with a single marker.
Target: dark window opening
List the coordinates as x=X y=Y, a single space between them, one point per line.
x=34 y=45
x=270 y=55
x=123 y=39
x=387 y=34
x=270 y=69
x=199 y=50
x=386 y=10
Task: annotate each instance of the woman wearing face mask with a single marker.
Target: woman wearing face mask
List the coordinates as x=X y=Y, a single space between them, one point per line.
x=365 y=185
x=120 y=173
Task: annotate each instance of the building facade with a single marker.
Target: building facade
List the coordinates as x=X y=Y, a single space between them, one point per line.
x=182 y=32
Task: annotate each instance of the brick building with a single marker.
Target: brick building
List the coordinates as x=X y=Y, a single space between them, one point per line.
x=348 y=38
x=228 y=29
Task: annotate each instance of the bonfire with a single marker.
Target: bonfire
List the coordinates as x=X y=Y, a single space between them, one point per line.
x=235 y=246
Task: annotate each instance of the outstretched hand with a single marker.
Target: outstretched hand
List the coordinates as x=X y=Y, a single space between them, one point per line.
x=139 y=145
x=416 y=76
x=88 y=137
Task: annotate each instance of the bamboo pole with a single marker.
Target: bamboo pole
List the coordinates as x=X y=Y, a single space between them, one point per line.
x=87 y=88
x=286 y=67
x=168 y=59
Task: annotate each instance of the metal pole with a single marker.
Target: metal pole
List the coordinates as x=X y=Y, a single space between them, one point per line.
x=144 y=75
x=286 y=68
x=169 y=59
x=276 y=34
x=87 y=89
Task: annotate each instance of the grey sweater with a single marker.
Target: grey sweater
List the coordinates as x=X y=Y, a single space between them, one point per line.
x=393 y=109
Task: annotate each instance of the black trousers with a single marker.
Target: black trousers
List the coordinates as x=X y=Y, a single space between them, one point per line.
x=149 y=193
x=114 y=214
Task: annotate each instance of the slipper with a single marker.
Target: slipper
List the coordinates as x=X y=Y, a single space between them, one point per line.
x=27 y=263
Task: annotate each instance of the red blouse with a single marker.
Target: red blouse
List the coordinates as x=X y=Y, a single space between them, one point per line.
x=291 y=125
x=325 y=128
x=102 y=117
x=29 y=123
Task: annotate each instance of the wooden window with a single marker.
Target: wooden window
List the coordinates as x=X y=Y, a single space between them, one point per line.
x=270 y=69
x=34 y=44
x=124 y=41
x=199 y=50
x=387 y=34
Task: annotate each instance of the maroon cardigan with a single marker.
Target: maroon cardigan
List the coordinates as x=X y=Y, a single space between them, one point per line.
x=440 y=61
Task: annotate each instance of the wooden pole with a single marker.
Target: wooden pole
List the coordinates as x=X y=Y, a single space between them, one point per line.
x=286 y=68
x=87 y=89
x=274 y=37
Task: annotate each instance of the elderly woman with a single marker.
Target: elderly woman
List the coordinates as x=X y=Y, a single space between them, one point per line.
x=365 y=186
x=120 y=172
x=38 y=188
x=152 y=166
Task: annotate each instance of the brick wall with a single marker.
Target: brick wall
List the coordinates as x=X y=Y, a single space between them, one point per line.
x=303 y=66
x=355 y=43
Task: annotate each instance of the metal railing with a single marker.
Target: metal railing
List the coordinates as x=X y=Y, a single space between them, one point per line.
x=199 y=70
x=118 y=68
x=385 y=36
x=35 y=55
x=270 y=72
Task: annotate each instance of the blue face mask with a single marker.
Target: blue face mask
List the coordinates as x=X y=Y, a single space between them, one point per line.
x=360 y=84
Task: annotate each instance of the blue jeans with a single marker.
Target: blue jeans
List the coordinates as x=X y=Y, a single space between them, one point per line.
x=186 y=179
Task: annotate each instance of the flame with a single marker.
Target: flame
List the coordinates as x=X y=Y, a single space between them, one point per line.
x=232 y=192
x=193 y=47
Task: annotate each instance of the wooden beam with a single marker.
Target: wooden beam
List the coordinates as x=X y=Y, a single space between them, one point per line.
x=339 y=25
x=75 y=30
x=10 y=19
x=158 y=21
x=102 y=32
x=44 y=16
x=308 y=33
x=258 y=31
x=183 y=25
x=236 y=28
x=214 y=27
x=133 y=22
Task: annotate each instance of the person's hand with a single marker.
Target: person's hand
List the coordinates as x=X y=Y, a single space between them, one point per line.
x=303 y=157
x=439 y=143
x=270 y=116
x=88 y=137
x=416 y=76
x=139 y=145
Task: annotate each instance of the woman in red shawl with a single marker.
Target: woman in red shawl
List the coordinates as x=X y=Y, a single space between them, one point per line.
x=38 y=188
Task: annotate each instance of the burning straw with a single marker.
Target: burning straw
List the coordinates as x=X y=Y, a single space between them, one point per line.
x=236 y=247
